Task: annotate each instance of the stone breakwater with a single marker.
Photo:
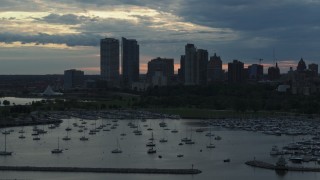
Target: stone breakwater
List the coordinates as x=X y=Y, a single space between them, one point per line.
x=102 y=170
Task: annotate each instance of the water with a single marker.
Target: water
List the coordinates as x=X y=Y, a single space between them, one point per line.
x=239 y=146
x=18 y=101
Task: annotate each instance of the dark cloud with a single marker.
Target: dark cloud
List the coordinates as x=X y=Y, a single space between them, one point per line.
x=18 y=5
x=42 y=38
x=69 y=19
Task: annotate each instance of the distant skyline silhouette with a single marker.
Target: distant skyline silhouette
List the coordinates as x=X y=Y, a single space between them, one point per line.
x=48 y=37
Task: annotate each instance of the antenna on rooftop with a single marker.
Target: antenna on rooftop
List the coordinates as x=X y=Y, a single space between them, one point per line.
x=274 y=56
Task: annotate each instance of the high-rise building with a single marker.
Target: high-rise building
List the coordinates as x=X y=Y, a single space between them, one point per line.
x=314 y=69
x=301 y=66
x=73 y=79
x=109 y=61
x=214 y=69
x=236 y=71
x=163 y=66
x=273 y=73
x=255 y=72
x=130 y=62
x=190 y=64
x=181 y=73
x=201 y=67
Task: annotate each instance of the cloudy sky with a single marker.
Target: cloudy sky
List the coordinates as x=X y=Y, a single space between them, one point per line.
x=49 y=36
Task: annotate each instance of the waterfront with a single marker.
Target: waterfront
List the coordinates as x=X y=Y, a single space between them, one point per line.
x=237 y=145
x=19 y=101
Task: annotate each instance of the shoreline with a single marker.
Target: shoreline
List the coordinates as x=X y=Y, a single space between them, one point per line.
x=55 y=117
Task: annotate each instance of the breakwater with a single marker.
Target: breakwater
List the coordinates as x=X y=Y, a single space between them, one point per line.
x=101 y=170
x=264 y=165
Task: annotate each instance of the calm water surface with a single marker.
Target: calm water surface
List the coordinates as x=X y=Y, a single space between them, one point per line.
x=239 y=146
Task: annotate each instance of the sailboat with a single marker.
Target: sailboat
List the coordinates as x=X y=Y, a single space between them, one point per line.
x=151 y=144
x=210 y=145
x=37 y=138
x=58 y=150
x=118 y=149
x=162 y=123
x=66 y=138
x=175 y=129
x=5 y=132
x=52 y=126
x=68 y=128
x=84 y=138
x=21 y=131
x=151 y=150
x=186 y=139
x=22 y=134
x=189 y=141
x=163 y=140
x=150 y=129
x=5 y=152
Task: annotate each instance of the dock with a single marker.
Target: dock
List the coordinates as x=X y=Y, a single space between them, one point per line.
x=265 y=165
x=102 y=170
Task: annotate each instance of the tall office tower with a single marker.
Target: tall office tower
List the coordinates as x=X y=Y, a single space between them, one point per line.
x=214 y=72
x=314 y=69
x=273 y=73
x=201 y=67
x=181 y=73
x=109 y=61
x=73 y=79
x=130 y=62
x=301 y=66
x=190 y=64
x=164 y=67
x=235 y=71
x=255 y=72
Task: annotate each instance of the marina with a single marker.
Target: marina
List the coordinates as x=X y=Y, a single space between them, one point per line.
x=213 y=150
x=265 y=165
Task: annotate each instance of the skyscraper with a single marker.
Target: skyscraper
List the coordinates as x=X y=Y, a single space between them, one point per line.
x=255 y=72
x=109 y=61
x=190 y=64
x=314 y=69
x=73 y=79
x=130 y=62
x=301 y=66
x=163 y=66
x=274 y=73
x=235 y=71
x=182 y=69
x=201 y=67
x=214 y=72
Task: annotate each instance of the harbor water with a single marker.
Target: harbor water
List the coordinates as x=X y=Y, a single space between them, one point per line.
x=236 y=145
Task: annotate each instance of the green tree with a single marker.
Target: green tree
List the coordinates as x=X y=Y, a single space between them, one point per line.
x=6 y=102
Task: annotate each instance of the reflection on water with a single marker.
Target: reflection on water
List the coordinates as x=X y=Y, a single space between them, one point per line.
x=238 y=146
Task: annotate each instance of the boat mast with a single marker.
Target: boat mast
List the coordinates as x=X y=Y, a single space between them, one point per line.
x=5 y=143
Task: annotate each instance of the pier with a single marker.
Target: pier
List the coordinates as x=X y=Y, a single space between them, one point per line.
x=102 y=170
x=264 y=165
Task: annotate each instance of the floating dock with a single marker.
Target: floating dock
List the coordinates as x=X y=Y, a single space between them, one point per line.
x=102 y=170
x=264 y=165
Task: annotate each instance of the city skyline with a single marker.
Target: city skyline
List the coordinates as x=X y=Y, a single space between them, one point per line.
x=47 y=37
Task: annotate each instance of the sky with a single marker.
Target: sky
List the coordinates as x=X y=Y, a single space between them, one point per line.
x=50 y=36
